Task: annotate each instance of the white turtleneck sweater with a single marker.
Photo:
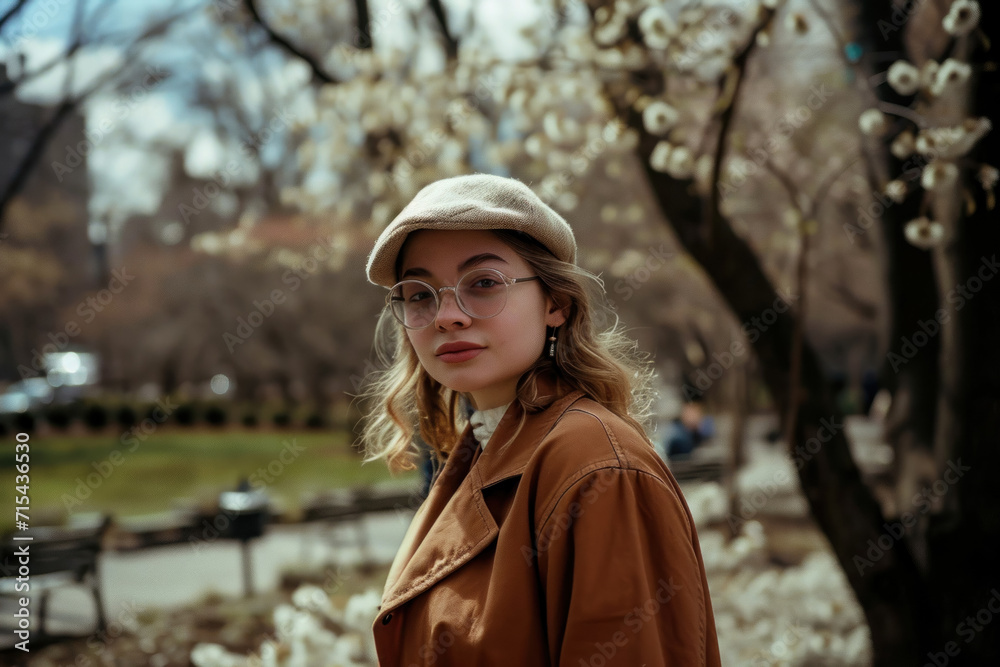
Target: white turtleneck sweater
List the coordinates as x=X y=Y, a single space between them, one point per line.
x=484 y=422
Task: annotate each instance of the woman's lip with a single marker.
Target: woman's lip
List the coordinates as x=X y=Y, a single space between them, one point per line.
x=463 y=355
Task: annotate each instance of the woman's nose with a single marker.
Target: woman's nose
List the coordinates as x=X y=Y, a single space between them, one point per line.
x=449 y=311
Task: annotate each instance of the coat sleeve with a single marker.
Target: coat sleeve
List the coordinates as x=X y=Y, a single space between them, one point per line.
x=623 y=577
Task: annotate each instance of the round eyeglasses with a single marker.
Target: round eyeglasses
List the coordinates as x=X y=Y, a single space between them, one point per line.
x=480 y=293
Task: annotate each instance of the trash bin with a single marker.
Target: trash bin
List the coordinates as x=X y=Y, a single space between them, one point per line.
x=248 y=512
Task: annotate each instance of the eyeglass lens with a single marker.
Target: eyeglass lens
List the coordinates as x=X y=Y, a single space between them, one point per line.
x=481 y=293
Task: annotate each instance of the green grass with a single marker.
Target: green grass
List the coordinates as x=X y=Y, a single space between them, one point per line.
x=174 y=465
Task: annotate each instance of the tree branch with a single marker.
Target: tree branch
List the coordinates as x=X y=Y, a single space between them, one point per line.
x=314 y=65
x=710 y=215
x=34 y=154
x=12 y=12
x=824 y=187
x=45 y=134
x=365 y=40
x=78 y=43
x=450 y=43
x=791 y=188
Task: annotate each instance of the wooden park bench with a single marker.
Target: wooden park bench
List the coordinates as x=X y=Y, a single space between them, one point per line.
x=702 y=470
x=352 y=506
x=57 y=556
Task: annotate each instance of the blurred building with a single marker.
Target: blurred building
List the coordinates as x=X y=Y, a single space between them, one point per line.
x=48 y=219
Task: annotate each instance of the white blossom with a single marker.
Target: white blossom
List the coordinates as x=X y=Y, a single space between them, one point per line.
x=939 y=176
x=657 y=27
x=660 y=158
x=518 y=100
x=633 y=56
x=536 y=145
x=873 y=123
x=215 y=655
x=361 y=608
x=962 y=18
x=567 y=201
x=680 y=164
x=950 y=143
x=904 y=77
x=896 y=191
x=950 y=75
x=926 y=142
x=560 y=129
x=314 y=599
x=611 y=59
x=988 y=176
x=924 y=233
x=611 y=31
x=903 y=145
x=658 y=117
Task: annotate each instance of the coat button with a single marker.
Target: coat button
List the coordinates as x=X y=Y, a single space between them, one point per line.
x=387 y=618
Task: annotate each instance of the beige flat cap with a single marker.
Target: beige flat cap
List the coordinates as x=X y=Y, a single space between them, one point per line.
x=478 y=201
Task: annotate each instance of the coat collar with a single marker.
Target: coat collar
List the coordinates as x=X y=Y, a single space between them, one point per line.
x=501 y=459
x=454 y=524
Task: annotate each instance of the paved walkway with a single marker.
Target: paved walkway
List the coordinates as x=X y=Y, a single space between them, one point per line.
x=180 y=574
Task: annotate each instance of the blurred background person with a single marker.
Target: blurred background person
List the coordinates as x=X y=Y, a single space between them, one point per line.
x=687 y=431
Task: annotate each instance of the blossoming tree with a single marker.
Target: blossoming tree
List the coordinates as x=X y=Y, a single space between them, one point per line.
x=666 y=84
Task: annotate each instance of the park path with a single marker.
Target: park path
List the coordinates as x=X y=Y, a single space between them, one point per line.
x=180 y=574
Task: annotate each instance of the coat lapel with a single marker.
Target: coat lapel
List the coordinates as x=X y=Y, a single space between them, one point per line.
x=453 y=524
x=501 y=459
x=450 y=527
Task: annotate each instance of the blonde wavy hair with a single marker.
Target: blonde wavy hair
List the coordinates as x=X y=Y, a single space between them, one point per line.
x=593 y=354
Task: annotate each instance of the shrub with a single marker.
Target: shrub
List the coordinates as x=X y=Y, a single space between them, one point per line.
x=282 y=419
x=24 y=422
x=95 y=416
x=185 y=414
x=249 y=420
x=315 y=420
x=59 y=416
x=216 y=416
x=126 y=417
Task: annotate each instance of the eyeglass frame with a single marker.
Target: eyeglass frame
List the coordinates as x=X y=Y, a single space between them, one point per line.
x=508 y=281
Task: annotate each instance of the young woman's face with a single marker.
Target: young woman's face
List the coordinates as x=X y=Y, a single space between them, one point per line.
x=507 y=344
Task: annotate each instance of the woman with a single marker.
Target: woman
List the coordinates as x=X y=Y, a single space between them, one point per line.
x=553 y=534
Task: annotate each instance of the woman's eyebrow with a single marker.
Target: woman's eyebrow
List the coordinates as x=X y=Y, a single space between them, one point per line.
x=472 y=261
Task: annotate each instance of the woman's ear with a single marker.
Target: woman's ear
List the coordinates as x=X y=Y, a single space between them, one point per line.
x=555 y=316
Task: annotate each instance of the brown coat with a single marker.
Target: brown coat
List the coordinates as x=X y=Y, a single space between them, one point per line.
x=571 y=546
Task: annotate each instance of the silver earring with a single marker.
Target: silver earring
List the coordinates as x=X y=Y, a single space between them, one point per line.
x=552 y=343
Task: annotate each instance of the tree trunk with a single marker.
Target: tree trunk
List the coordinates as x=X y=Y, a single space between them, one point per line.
x=946 y=398
x=911 y=291
x=963 y=541
x=887 y=582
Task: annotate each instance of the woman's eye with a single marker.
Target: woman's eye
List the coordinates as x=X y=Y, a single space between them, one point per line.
x=419 y=296
x=485 y=282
